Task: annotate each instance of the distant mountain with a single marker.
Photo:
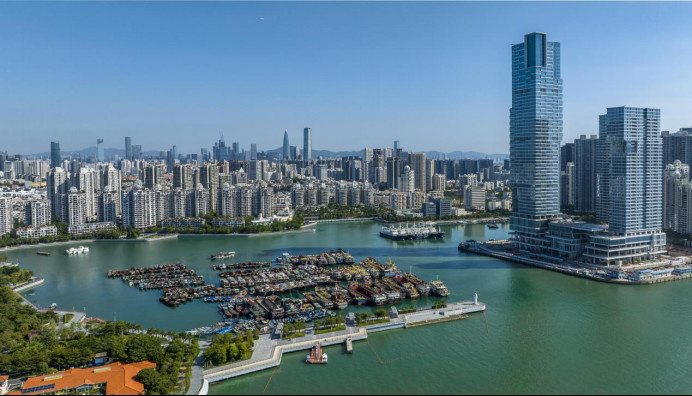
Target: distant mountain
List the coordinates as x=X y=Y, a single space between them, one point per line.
x=90 y=152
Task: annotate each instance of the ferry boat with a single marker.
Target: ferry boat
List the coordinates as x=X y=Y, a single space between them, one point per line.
x=400 y=232
x=76 y=251
x=316 y=356
x=222 y=255
x=439 y=289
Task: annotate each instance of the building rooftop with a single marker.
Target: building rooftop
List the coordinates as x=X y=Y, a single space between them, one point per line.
x=120 y=379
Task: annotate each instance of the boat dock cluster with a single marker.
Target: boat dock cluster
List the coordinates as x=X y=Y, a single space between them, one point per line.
x=305 y=291
x=223 y=267
x=169 y=277
x=333 y=257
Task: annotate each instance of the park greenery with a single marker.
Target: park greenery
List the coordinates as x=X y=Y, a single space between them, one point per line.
x=32 y=343
x=367 y=318
x=11 y=238
x=336 y=323
x=11 y=276
x=293 y=330
x=335 y=211
x=440 y=304
x=247 y=228
x=227 y=348
x=407 y=309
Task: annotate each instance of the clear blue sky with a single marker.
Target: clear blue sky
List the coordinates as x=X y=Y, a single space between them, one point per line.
x=436 y=76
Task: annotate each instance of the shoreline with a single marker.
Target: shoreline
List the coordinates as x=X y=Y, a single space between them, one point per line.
x=566 y=270
x=304 y=228
x=259 y=234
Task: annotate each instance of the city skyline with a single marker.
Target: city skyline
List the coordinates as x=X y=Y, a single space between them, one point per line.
x=366 y=103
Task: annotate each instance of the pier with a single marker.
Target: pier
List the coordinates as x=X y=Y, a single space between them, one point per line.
x=269 y=350
x=591 y=273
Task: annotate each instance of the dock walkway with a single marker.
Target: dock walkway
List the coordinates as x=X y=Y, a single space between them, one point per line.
x=268 y=350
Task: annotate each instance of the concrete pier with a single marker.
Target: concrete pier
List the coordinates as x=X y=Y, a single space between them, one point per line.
x=268 y=351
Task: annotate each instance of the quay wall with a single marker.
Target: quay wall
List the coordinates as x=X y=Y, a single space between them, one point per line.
x=277 y=354
x=28 y=285
x=454 y=311
x=567 y=271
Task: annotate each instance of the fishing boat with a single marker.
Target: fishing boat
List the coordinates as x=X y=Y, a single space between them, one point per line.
x=222 y=255
x=439 y=288
x=316 y=356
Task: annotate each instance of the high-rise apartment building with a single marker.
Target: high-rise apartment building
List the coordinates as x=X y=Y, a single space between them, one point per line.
x=418 y=164
x=37 y=213
x=535 y=136
x=6 y=222
x=183 y=177
x=57 y=184
x=677 y=198
x=209 y=179
x=677 y=146
x=630 y=187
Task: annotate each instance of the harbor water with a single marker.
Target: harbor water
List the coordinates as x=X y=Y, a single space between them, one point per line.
x=543 y=332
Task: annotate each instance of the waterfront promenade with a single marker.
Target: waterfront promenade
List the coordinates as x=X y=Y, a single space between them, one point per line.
x=269 y=350
x=497 y=249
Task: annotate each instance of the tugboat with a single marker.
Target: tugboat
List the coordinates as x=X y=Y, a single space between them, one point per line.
x=316 y=356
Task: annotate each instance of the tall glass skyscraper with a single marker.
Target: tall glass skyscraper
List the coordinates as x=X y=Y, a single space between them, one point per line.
x=100 y=156
x=128 y=148
x=307 y=144
x=286 y=148
x=535 y=129
x=55 y=157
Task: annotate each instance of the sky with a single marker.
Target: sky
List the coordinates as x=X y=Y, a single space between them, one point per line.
x=435 y=76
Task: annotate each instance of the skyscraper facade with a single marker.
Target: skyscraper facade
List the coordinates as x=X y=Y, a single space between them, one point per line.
x=418 y=164
x=677 y=147
x=55 y=157
x=286 y=148
x=128 y=148
x=630 y=187
x=535 y=135
x=100 y=155
x=585 y=174
x=5 y=215
x=307 y=144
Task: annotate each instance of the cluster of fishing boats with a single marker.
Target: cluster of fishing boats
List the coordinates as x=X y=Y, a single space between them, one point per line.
x=166 y=277
x=77 y=250
x=223 y=267
x=334 y=257
x=305 y=291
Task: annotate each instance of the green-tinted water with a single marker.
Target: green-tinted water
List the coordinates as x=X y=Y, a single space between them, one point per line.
x=548 y=332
